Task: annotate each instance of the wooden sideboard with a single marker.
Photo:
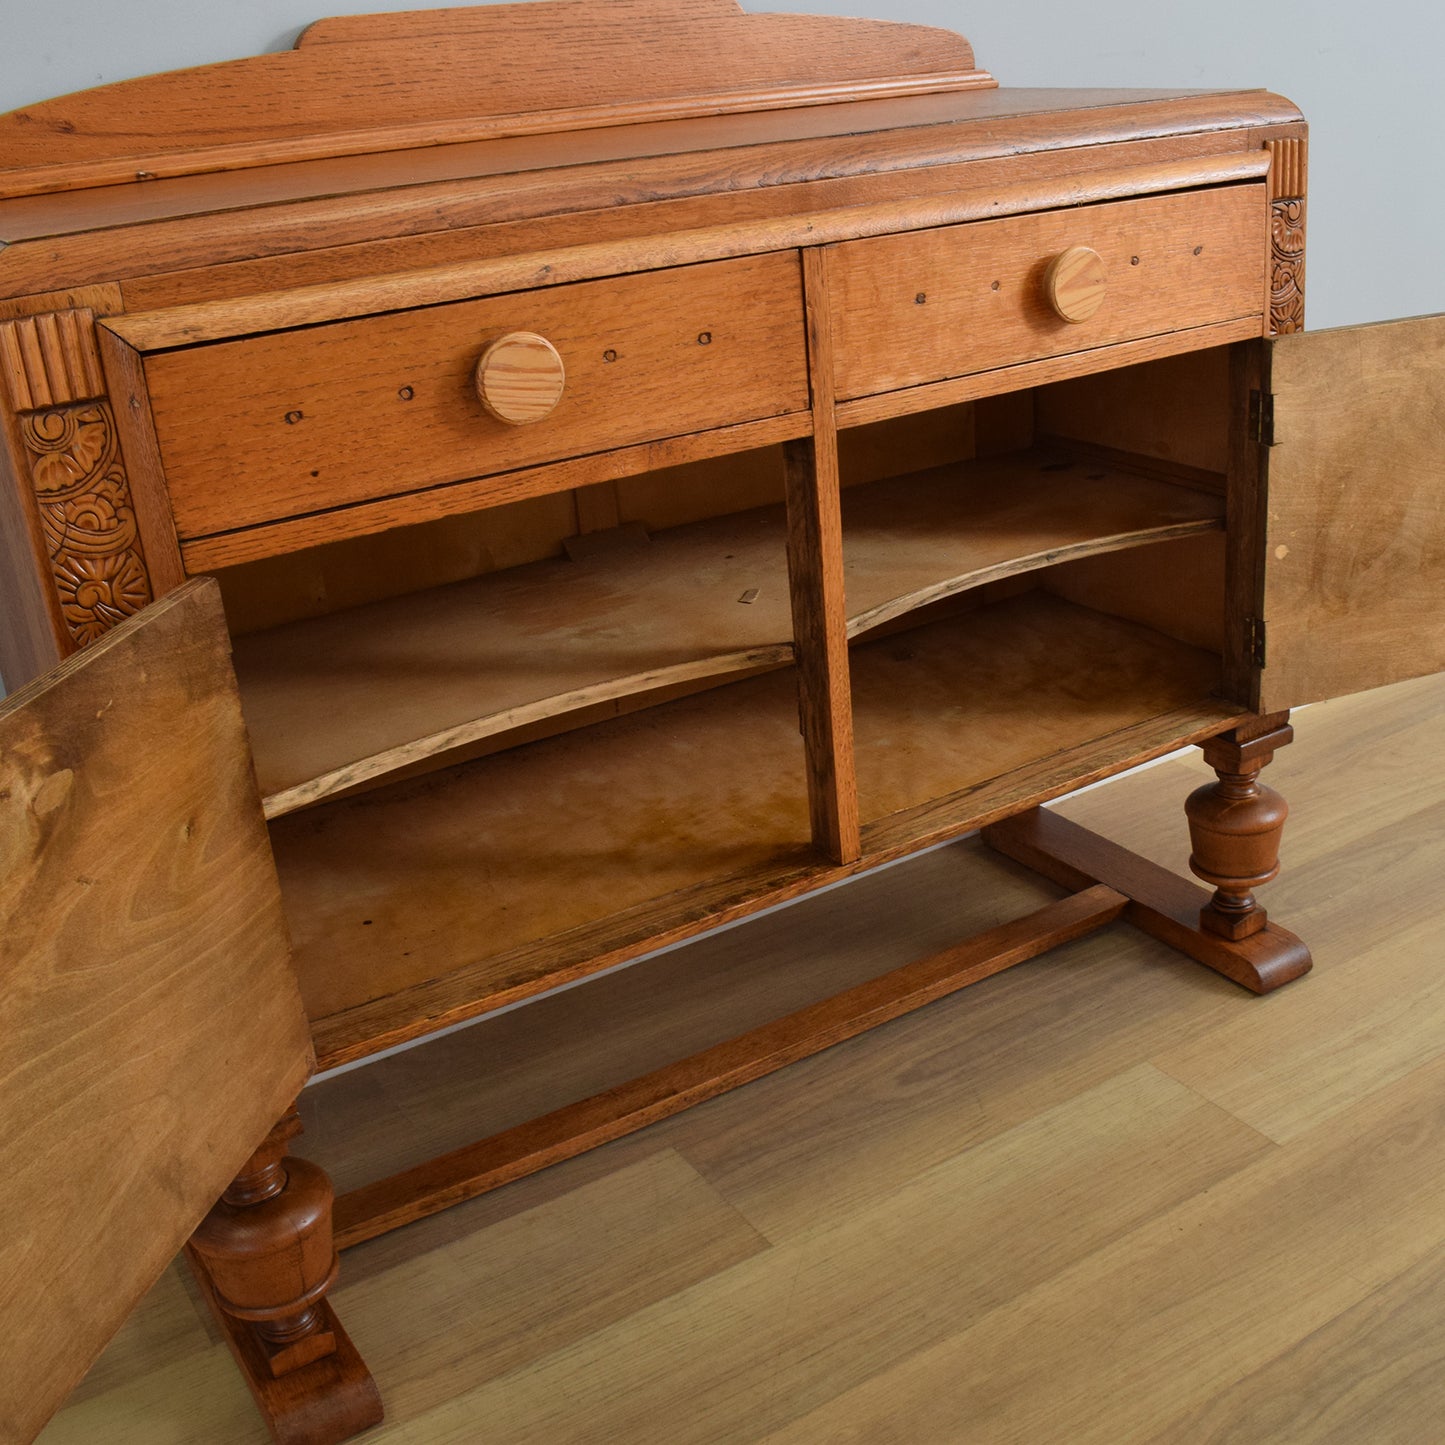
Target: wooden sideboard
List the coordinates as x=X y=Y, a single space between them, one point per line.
x=736 y=452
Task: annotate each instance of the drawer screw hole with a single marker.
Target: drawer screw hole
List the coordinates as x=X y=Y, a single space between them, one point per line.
x=921 y=299
x=1198 y=250
x=997 y=285
x=609 y=355
x=1133 y=260
x=406 y=393
x=704 y=338
x=315 y=474
x=292 y=417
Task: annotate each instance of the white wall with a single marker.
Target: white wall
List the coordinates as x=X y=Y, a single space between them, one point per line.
x=1367 y=77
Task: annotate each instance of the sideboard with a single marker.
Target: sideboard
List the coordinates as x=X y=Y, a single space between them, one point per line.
x=648 y=462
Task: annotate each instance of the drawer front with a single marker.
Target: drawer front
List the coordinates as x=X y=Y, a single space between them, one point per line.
x=273 y=426
x=928 y=305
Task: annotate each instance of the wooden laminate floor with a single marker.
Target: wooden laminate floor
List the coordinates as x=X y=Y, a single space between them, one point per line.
x=1106 y=1197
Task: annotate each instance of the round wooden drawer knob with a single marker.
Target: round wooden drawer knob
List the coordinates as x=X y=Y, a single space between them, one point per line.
x=1075 y=283
x=520 y=378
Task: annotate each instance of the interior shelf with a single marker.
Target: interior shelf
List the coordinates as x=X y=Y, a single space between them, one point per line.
x=340 y=700
x=944 y=706
x=334 y=701
x=421 y=878
x=914 y=540
x=446 y=896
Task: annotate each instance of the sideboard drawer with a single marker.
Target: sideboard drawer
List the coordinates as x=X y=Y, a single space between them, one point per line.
x=290 y=422
x=927 y=305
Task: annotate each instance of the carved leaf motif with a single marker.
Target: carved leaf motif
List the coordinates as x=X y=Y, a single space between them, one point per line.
x=56 y=472
x=98 y=591
x=86 y=513
x=67 y=446
x=1286 y=283
x=96 y=523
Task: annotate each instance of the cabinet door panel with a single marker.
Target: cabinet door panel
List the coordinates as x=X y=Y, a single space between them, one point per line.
x=150 y=1026
x=1355 y=541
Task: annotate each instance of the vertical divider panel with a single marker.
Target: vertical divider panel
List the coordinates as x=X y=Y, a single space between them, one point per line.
x=815 y=572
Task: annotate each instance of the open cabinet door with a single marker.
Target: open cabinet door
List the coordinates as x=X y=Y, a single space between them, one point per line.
x=151 y=1031
x=1354 y=568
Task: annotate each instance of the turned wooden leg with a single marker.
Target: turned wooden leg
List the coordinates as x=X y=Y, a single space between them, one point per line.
x=1235 y=826
x=265 y=1258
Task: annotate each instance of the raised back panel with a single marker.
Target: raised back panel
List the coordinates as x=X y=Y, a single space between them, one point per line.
x=482 y=19
x=375 y=83
x=151 y=1031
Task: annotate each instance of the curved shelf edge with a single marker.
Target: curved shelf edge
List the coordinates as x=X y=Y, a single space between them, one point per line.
x=900 y=606
x=445 y=998
x=393 y=760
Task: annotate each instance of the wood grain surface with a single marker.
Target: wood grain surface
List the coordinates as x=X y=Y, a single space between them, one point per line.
x=572 y=65
x=1176 y=588
x=1108 y=1133
x=465 y=499
x=912 y=541
x=152 y=1031
x=886 y=134
x=1161 y=903
x=520 y=378
x=409 y=882
x=815 y=578
x=433 y=899
x=389 y=210
x=315 y=418
x=686 y=485
x=594 y=948
x=838 y=225
x=1005 y=380
x=1175 y=410
x=135 y=429
x=404 y=1198
x=950 y=703
x=1354 y=550
x=920 y=307
x=710 y=237
x=336 y=700
x=1076 y=283
x=568 y=205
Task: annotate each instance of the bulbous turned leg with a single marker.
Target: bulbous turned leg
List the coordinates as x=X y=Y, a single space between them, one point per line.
x=265 y=1258
x=267 y=1248
x=1235 y=826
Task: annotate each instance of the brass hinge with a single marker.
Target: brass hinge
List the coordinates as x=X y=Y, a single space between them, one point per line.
x=1261 y=417
x=1254 y=640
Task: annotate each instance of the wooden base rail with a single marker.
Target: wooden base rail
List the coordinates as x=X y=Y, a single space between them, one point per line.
x=465 y=1173
x=1235 y=825
x=1164 y=905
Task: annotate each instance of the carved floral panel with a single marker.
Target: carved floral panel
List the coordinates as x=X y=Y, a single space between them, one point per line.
x=87 y=516
x=1287 y=266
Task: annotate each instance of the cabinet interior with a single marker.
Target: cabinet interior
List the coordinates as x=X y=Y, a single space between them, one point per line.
x=569 y=726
